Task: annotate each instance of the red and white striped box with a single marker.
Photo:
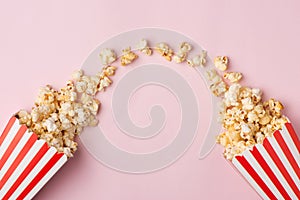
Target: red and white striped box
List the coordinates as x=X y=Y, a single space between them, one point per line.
x=26 y=162
x=272 y=168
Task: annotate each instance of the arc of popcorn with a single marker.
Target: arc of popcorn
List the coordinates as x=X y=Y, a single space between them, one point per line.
x=27 y=163
x=272 y=168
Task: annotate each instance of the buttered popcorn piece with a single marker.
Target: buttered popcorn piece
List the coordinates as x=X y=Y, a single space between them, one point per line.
x=77 y=74
x=110 y=70
x=143 y=47
x=218 y=86
x=107 y=56
x=198 y=60
x=104 y=82
x=128 y=56
x=164 y=50
x=233 y=77
x=221 y=62
x=181 y=55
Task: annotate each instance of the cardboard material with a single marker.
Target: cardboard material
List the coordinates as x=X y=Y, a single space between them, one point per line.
x=272 y=168
x=26 y=162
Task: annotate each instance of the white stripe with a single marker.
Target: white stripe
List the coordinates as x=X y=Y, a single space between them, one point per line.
x=290 y=143
x=47 y=176
x=10 y=136
x=262 y=174
x=23 y=164
x=248 y=177
x=48 y=155
x=276 y=171
x=14 y=154
x=284 y=160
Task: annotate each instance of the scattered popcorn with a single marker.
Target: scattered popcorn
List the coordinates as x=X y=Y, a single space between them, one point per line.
x=221 y=62
x=218 y=86
x=58 y=116
x=128 y=57
x=104 y=82
x=164 y=50
x=213 y=76
x=109 y=71
x=233 y=77
x=107 y=56
x=143 y=47
x=181 y=55
x=203 y=58
x=77 y=75
x=198 y=60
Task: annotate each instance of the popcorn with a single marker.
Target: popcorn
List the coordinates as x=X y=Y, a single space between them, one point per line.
x=25 y=117
x=198 y=60
x=259 y=137
x=81 y=86
x=233 y=77
x=50 y=125
x=59 y=115
x=77 y=75
x=181 y=55
x=109 y=71
x=247 y=104
x=223 y=139
x=256 y=95
x=128 y=56
x=104 y=82
x=143 y=47
x=164 y=50
x=247 y=120
x=218 y=88
x=231 y=96
x=221 y=62
x=107 y=56
x=265 y=120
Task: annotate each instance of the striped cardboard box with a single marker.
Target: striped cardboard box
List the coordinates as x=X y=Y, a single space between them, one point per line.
x=272 y=168
x=26 y=162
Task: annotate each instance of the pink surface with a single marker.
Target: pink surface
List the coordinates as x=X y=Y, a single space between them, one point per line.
x=42 y=43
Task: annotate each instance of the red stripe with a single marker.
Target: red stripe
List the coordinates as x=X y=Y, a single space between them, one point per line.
x=41 y=174
x=27 y=170
x=255 y=176
x=7 y=129
x=18 y=159
x=293 y=135
x=287 y=152
x=281 y=167
x=12 y=145
x=259 y=158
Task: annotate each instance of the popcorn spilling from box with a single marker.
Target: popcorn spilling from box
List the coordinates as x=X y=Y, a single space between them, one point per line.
x=35 y=144
x=59 y=115
x=258 y=139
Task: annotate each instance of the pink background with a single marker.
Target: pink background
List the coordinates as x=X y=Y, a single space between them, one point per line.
x=43 y=42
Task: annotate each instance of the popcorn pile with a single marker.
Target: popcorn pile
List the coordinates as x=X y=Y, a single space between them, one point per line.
x=59 y=115
x=246 y=119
